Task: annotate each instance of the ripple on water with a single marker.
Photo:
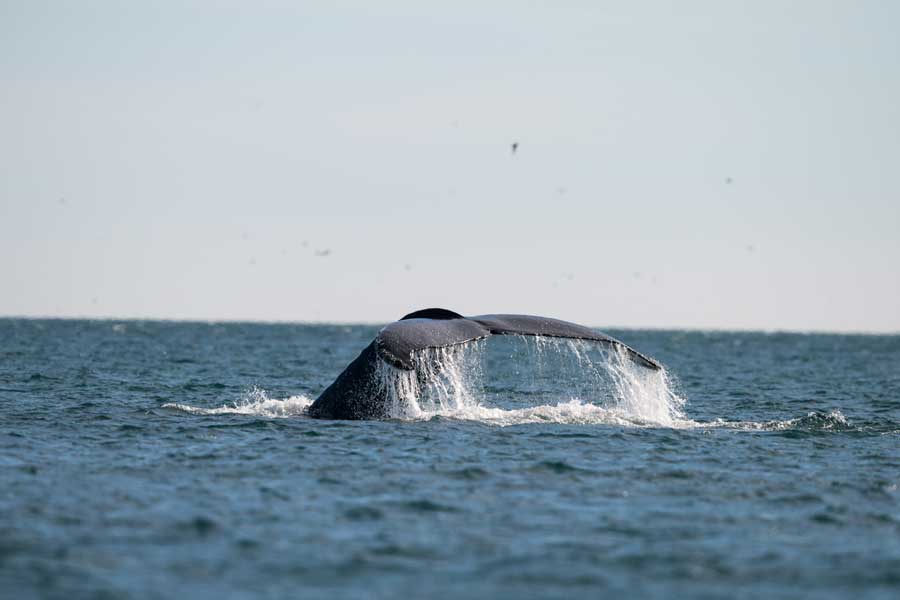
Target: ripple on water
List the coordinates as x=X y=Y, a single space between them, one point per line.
x=534 y=492
x=555 y=466
x=469 y=473
x=428 y=506
x=363 y=513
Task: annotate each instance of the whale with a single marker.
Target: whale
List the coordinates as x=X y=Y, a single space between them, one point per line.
x=359 y=393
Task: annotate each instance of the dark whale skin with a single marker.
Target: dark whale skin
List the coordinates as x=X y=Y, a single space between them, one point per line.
x=357 y=393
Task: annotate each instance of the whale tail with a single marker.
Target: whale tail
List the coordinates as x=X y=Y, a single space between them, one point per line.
x=356 y=393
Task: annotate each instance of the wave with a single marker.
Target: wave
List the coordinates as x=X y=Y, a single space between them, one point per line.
x=255 y=402
x=571 y=412
x=813 y=421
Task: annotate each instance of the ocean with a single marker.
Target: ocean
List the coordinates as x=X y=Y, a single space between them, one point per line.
x=153 y=459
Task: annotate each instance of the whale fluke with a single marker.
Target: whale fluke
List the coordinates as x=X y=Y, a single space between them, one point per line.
x=357 y=393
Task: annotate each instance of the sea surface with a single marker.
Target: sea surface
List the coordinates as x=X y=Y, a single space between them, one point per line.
x=143 y=459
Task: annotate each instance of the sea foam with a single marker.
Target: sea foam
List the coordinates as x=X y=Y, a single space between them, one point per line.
x=254 y=402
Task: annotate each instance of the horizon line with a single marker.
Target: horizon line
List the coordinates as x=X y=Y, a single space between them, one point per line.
x=374 y=323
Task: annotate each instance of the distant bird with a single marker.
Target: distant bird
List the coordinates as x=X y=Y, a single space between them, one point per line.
x=515 y=146
x=324 y=252
x=729 y=180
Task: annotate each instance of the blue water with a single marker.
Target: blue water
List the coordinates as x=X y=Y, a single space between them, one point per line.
x=158 y=460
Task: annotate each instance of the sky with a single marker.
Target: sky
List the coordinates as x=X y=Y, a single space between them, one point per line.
x=716 y=165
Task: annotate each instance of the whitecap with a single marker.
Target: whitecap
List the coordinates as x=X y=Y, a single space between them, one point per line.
x=255 y=402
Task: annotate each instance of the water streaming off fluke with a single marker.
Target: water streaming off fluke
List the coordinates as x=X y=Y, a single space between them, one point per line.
x=568 y=380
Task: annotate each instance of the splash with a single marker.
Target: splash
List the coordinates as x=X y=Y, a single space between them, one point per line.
x=642 y=394
x=255 y=402
x=589 y=383
x=572 y=382
x=445 y=380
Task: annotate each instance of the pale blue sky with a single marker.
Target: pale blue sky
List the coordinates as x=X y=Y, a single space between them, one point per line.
x=188 y=159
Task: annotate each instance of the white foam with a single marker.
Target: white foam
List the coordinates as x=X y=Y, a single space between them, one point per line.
x=256 y=402
x=572 y=412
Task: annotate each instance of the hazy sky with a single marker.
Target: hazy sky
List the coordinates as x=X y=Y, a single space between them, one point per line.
x=680 y=164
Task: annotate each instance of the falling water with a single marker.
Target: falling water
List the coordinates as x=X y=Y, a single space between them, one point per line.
x=567 y=380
